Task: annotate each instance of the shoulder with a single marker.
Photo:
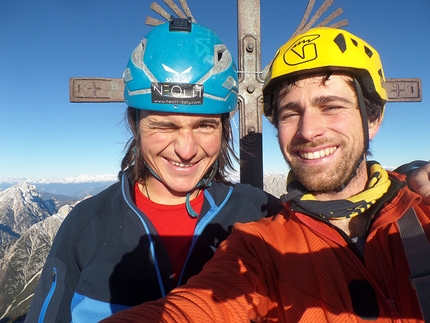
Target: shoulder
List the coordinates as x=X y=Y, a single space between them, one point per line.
x=102 y=200
x=258 y=197
x=245 y=196
x=102 y=203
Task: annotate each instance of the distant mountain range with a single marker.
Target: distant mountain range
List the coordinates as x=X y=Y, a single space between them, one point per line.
x=67 y=188
x=84 y=178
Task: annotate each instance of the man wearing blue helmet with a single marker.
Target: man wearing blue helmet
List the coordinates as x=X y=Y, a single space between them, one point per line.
x=158 y=226
x=173 y=205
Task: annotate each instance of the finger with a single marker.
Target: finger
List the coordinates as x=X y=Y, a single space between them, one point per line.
x=420 y=181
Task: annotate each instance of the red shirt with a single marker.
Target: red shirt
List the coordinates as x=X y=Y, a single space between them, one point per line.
x=174 y=225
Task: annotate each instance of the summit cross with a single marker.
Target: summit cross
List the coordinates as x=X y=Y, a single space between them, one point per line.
x=251 y=77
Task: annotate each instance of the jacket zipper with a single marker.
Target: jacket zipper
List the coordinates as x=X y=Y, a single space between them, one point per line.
x=213 y=211
x=49 y=296
x=389 y=300
x=148 y=234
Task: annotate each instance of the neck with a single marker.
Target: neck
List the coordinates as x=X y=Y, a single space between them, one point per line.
x=356 y=226
x=160 y=194
x=353 y=227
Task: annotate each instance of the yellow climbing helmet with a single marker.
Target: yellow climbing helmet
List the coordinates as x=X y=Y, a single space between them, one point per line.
x=326 y=49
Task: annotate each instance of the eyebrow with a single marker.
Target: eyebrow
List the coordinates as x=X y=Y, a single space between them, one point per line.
x=209 y=120
x=324 y=99
x=161 y=124
x=330 y=98
x=169 y=124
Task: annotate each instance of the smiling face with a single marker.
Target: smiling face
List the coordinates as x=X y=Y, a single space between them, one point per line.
x=180 y=149
x=321 y=134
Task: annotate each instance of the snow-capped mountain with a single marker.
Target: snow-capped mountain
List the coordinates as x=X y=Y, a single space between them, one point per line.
x=79 y=187
x=22 y=264
x=84 y=178
x=28 y=225
x=21 y=206
x=76 y=187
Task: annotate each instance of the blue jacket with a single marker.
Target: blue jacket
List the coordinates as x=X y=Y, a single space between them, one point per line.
x=107 y=256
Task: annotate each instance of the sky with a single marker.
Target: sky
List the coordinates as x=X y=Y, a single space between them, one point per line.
x=46 y=42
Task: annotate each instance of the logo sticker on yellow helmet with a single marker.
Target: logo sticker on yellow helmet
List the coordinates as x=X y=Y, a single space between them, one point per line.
x=302 y=51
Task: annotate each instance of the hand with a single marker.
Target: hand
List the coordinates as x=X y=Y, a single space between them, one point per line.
x=419 y=181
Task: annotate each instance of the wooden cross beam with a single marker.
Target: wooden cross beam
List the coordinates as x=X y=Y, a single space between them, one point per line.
x=251 y=78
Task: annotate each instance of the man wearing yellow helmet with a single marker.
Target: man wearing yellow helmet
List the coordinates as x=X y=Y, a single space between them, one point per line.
x=334 y=253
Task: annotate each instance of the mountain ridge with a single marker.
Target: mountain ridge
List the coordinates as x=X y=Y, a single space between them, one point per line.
x=83 y=178
x=28 y=226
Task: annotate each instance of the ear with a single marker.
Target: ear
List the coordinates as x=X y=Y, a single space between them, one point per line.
x=374 y=127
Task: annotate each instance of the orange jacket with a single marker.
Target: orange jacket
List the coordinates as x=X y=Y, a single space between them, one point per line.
x=294 y=268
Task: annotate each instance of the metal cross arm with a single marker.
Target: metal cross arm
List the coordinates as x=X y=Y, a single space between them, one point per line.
x=93 y=89
x=96 y=89
x=404 y=89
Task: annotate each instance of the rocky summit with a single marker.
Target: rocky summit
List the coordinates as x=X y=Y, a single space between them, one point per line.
x=21 y=206
x=28 y=225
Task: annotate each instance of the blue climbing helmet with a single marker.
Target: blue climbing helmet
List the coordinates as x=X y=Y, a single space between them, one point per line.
x=181 y=67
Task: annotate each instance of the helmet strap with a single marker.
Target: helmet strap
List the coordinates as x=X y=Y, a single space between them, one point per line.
x=152 y=171
x=204 y=183
x=363 y=114
x=190 y=209
x=137 y=121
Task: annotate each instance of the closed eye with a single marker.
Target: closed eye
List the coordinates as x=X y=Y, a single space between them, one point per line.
x=208 y=127
x=163 y=127
x=331 y=108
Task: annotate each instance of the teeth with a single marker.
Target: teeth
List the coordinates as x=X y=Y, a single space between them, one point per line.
x=317 y=154
x=181 y=165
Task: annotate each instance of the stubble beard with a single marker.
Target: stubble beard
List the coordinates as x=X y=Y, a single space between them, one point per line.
x=322 y=180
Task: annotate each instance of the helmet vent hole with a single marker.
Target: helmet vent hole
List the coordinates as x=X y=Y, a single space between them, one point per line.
x=220 y=53
x=354 y=42
x=380 y=73
x=340 y=42
x=368 y=51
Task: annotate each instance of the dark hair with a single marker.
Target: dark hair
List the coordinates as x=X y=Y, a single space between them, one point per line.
x=134 y=163
x=374 y=107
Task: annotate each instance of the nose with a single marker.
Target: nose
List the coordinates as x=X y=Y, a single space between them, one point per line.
x=186 y=144
x=311 y=125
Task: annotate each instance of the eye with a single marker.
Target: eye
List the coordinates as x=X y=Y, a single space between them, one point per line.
x=288 y=116
x=164 y=128
x=206 y=128
x=331 y=109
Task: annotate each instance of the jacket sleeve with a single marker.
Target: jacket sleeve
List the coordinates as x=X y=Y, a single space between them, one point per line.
x=230 y=288
x=60 y=274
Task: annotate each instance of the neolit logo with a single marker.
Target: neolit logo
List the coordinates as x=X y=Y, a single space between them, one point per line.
x=302 y=51
x=178 y=76
x=177 y=93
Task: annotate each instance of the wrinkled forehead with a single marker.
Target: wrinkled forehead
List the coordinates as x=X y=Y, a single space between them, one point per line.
x=144 y=113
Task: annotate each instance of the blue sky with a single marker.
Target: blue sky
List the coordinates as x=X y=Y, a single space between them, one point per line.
x=45 y=42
